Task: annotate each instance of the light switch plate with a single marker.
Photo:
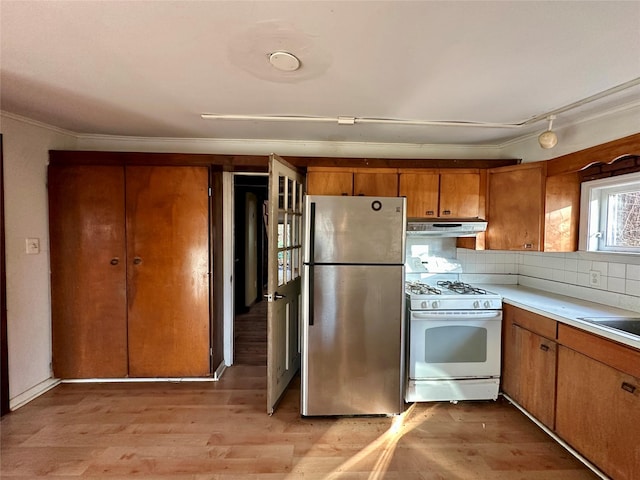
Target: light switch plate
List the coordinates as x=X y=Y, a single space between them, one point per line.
x=33 y=246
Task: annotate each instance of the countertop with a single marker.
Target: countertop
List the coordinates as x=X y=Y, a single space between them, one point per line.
x=566 y=310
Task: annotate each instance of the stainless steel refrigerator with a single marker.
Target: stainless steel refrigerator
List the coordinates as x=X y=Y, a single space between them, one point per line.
x=353 y=305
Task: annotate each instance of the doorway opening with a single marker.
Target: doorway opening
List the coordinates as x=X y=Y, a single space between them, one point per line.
x=250 y=269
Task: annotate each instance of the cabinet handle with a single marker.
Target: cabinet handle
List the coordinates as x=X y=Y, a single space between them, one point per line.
x=446 y=212
x=344 y=194
x=528 y=245
x=627 y=387
x=429 y=212
x=114 y=261
x=544 y=347
x=137 y=261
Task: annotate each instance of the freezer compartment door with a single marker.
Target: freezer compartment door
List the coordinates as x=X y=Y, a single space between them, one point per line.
x=352 y=230
x=352 y=360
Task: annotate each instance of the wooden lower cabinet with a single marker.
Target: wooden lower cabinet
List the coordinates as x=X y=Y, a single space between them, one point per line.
x=537 y=386
x=529 y=362
x=598 y=413
x=129 y=271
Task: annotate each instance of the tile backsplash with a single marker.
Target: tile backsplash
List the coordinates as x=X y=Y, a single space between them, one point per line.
x=610 y=279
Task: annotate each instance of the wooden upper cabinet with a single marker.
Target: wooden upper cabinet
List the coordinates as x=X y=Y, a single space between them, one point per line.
x=459 y=195
x=330 y=182
x=380 y=182
x=441 y=193
x=516 y=206
x=529 y=211
x=422 y=192
x=562 y=213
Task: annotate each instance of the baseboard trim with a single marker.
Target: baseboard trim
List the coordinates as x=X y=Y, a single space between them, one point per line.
x=33 y=393
x=140 y=380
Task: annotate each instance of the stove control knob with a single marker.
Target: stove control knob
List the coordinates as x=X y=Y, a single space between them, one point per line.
x=434 y=304
x=423 y=304
x=487 y=304
x=476 y=304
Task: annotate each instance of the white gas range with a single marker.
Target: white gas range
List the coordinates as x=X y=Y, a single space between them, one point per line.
x=454 y=342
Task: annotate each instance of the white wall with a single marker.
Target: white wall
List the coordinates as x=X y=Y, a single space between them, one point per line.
x=26 y=146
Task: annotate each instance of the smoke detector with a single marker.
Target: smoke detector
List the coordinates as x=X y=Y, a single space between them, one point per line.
x=284 y=61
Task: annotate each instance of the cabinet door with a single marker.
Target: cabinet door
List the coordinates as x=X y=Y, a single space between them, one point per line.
x=516 y=203
x=375 y=184
x=598 y=412
x=421 y=190
x=168 y=264
x=510 y=375
x=537 y=375
x=329 y=183
x=459 y=195
x=88 y=271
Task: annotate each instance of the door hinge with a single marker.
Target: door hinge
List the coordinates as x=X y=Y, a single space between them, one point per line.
x=210 y=191
x=211 y=352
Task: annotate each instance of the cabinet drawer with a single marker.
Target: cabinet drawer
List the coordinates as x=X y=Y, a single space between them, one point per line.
x=544 y=326
x=618 y=356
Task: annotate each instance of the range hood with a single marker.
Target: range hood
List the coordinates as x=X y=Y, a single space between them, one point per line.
x=445 y=228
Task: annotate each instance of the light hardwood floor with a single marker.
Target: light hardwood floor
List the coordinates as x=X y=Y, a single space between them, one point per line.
x=220 y=431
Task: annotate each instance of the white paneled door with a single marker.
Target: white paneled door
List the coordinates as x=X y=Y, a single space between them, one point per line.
x=286 y=187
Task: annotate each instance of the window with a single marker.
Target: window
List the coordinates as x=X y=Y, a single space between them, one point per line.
x=610 y=214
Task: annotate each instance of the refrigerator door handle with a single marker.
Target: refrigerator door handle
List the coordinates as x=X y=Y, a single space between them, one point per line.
x=312 y=247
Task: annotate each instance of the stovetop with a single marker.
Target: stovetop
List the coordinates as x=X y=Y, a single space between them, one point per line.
x=450 y=295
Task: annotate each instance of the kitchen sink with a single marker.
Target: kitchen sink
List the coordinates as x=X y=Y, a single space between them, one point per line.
x=626 y=324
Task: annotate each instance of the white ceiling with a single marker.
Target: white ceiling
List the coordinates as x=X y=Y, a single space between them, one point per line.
x=151 y=68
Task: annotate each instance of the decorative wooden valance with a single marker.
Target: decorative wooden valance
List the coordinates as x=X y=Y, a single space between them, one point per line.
x=619 y=166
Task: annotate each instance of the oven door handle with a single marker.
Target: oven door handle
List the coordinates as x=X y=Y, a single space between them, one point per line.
x=472 y=315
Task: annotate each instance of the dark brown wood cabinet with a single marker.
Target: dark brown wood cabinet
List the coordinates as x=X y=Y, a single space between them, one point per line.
x=129 y=271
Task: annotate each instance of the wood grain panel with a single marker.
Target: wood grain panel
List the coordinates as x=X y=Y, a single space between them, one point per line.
x=375 y=184
x=621 y=357
x=422 y=192
x=330 y=183
x=562 y=213
x=598 y=417
x=515 y=206
x=605 y=152
x=88 y=294
x=167 y=271
x=459 y=195
x=510 y=374
x=539 y=324
x=538 y=376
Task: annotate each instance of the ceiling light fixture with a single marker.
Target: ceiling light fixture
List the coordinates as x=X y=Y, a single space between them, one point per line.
x=548 y=139
x=284 y=61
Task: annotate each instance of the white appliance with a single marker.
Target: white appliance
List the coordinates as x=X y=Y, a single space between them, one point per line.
x=454 y=332
x=353 y=306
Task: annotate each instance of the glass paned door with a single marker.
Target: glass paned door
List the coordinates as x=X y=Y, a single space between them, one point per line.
x=284 y=284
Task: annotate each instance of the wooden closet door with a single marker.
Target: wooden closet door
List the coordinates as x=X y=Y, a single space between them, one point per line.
x=88 y=292
x=167 y=271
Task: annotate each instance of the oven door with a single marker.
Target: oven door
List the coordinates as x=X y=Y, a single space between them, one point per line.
x=454 y=344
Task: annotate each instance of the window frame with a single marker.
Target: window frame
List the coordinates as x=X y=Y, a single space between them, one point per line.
x=594 y=212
